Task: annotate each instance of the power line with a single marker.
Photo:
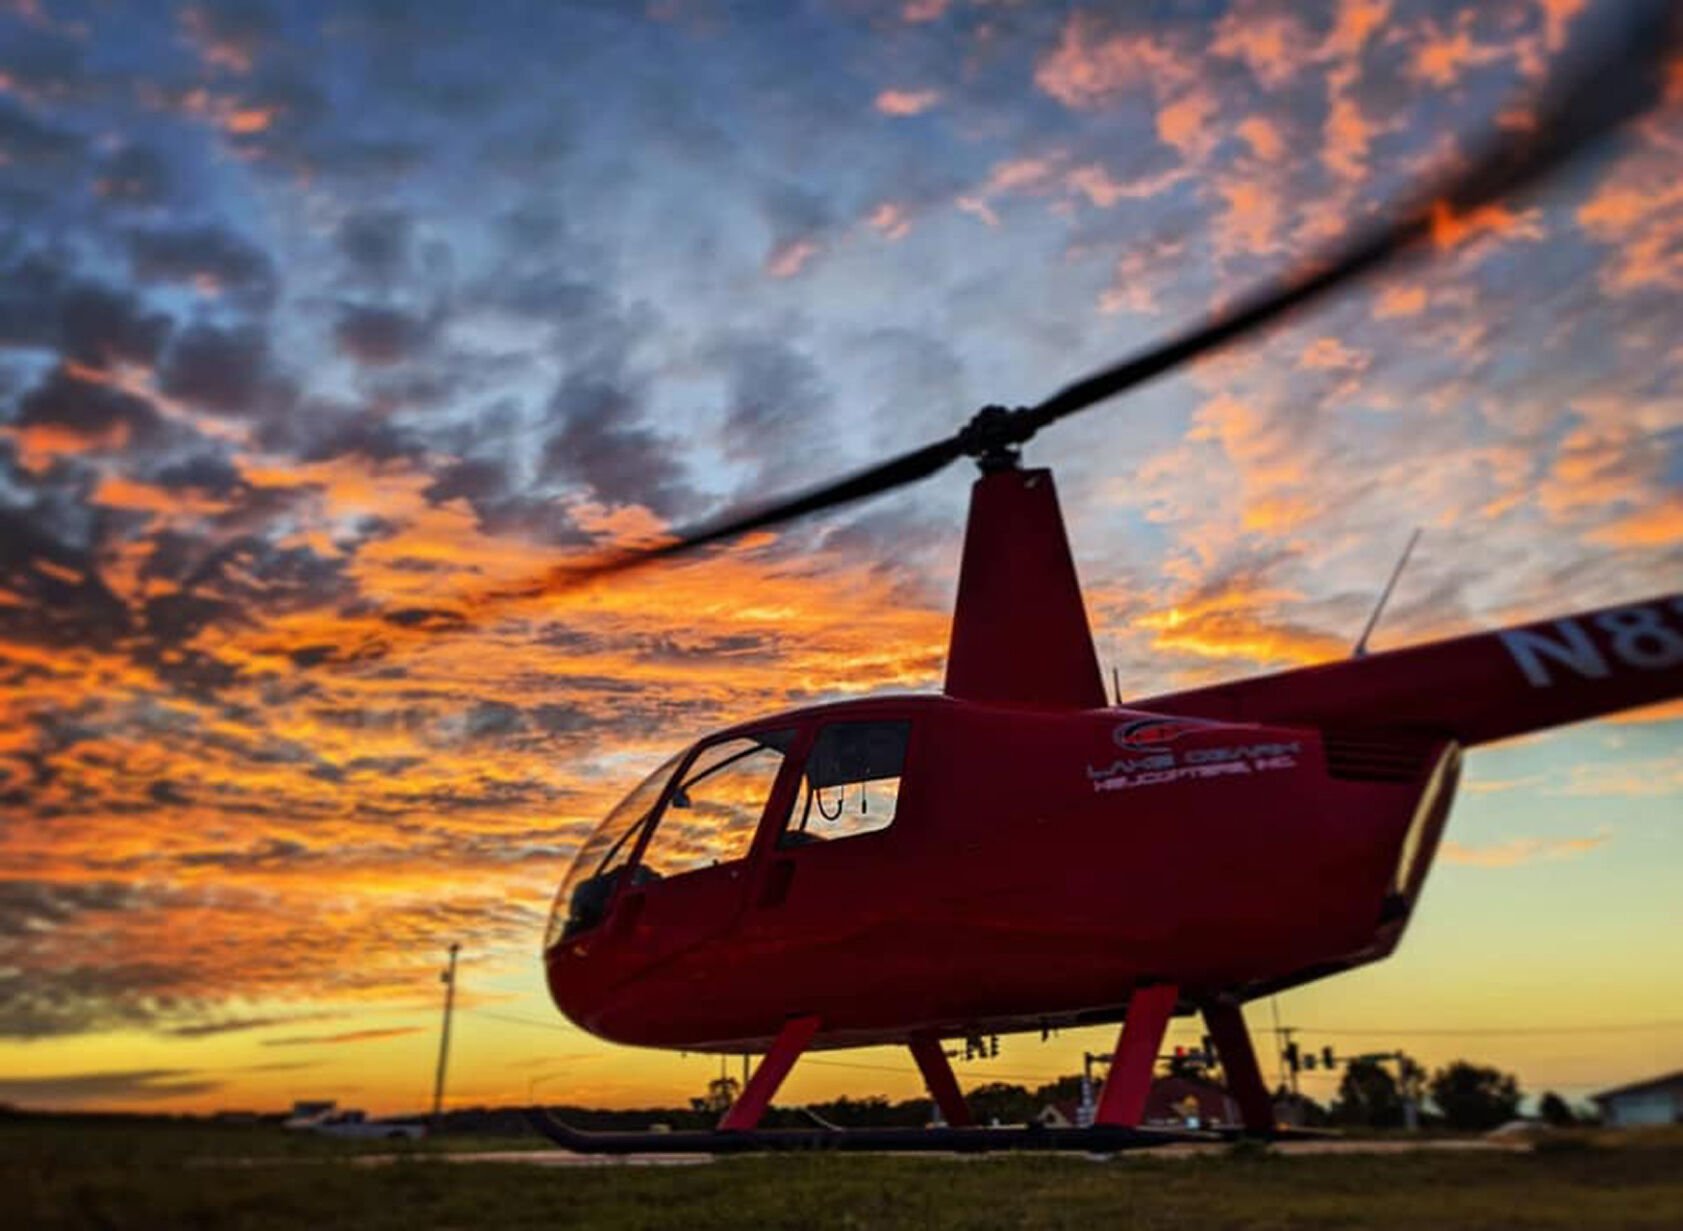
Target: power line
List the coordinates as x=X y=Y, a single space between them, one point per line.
x=1457 y=1032
x=1493 y=1031
x=911 y=1072
x=517 y=1020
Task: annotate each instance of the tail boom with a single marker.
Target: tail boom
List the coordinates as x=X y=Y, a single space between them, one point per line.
x=1473 y=689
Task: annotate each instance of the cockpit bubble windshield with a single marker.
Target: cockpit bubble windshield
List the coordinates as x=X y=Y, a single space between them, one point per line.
x=589 y=884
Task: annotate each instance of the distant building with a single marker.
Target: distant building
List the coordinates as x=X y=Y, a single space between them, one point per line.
x=1060 y=1113
x=1174 y=1102
x=1656 y=1101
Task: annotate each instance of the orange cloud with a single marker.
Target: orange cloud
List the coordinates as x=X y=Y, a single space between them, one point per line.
x=117 y=492
x=1606 y=465
x=1251 y=219
x=1348 y=134
x=906 y=102
x=1330 y=355
x=1353 y=24
x=1441 y=58
x=347 y=1036
x=1657 y=525
x=1399 y=301
x=1263 y=137
x=1185 y=123
x=1518 y=851
x=1451 y=228
x=1239 y=621
x=1137 y=271
x=1273 y=46
x=219 y=44
x=1557 y=15
x=1096 y=184
x=243 y=121
x=1638 y=213
x=1089 y=67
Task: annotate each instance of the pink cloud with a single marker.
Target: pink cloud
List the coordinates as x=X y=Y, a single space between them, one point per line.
x=891 y=220
x=788 y=259
x=918 y=11
x=900 y=103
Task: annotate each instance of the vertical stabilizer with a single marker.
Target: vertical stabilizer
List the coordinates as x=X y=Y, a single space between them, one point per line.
x=1020 y=634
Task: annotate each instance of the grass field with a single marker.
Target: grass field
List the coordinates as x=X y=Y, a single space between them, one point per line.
x=62 y=1175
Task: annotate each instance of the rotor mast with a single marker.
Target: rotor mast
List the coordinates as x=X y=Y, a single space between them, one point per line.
x=1020 y=634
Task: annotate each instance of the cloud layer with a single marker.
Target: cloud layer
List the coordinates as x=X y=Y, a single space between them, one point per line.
x=318 y=323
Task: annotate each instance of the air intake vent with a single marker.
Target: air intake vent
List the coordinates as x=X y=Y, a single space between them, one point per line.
x=1376 y=757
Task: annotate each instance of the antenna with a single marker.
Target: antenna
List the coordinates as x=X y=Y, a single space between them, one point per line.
x=1116 y=683
x=1385 y=596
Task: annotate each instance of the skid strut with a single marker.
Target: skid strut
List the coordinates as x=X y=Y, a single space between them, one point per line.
x=1238 y=1065
x=938 y=1076
x=791 y=1041
x=1122 y=1103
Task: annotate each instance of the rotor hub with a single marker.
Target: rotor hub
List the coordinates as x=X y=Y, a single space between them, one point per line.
x=994 y=436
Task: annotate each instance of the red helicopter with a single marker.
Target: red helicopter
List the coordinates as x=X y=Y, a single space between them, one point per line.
x=1012 y=853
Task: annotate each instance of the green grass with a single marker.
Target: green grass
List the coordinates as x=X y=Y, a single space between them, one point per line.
x=63 y=1175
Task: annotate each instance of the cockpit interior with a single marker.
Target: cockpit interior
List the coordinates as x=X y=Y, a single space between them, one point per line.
x=702 y=809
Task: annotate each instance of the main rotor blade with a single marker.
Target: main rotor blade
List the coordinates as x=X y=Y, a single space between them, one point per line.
x=1621 y=79
x=885 y=476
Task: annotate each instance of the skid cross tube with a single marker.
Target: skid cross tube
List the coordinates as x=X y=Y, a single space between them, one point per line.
x=1096 y=1140
x=791 y=1041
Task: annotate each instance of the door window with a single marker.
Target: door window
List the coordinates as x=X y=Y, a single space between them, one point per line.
x=712 y=813
x=851 y=784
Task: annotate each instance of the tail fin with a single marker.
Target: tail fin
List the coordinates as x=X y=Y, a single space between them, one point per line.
x=1020 y=633
x=1473 y=689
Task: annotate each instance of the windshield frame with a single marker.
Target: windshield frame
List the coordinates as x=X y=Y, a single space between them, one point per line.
x=640 y=831
x=651 y=820
x=578 y=873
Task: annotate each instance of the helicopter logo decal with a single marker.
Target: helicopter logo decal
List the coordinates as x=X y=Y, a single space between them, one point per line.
x=1149 y=734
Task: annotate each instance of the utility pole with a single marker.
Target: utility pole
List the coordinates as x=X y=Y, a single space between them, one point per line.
x=1289 y=1054
x=1088 y=1107
x=449 y=980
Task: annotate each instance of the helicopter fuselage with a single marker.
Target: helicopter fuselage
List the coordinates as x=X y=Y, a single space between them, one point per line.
x=1038 y=867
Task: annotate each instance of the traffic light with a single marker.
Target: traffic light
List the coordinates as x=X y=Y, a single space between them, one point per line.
x=1309 y=1062
x=1292 y=1058
x=1327 y=1057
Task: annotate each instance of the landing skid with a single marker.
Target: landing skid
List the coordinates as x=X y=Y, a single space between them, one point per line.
x=1099 y=1139
x=1117 y=1121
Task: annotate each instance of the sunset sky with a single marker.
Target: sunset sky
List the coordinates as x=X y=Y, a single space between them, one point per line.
x=319 y=320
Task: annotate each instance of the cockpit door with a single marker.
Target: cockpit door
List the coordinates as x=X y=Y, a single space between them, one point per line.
x=690 y=872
